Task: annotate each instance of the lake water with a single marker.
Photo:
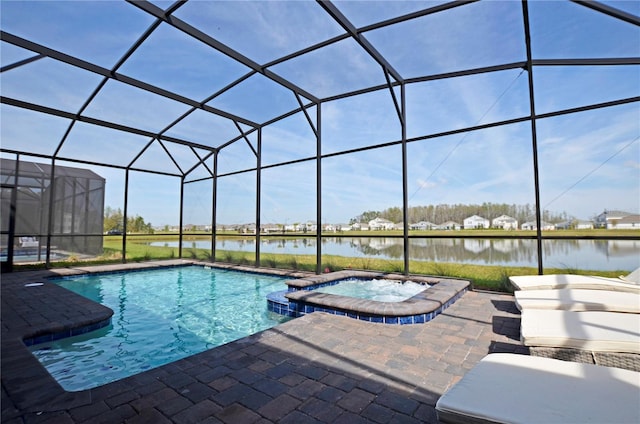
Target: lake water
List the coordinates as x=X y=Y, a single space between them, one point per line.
x=602 y=255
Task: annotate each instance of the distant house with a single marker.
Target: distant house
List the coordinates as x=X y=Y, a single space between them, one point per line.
x=270 y=228
x=505 y=222
x=475 y=221
x=309 y=226
x=629 y=222
x=249 y=229
x=343 y=227
x=360 y=226
x=609 y=219
x=583 y=225
x=531 y=225
x=380 y=224
x=398 y=226
x=574 y=224
x=449 y=225
x=423 y=225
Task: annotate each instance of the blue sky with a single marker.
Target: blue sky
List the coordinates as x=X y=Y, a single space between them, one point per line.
x=588 y=161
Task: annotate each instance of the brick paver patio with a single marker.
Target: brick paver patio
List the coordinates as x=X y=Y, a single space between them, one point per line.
x=316 y=369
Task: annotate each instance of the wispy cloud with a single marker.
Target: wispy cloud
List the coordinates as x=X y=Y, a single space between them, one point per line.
x=632 y=164
x=262 y=30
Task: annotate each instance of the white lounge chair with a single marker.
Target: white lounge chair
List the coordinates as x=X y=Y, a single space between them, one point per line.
x=578 y=300
x=594 y=330
x=610 y=339
x=628 y=283
x=509 y=388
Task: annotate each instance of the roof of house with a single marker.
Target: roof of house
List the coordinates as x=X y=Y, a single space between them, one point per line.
x=504 y=218
x=629 y=219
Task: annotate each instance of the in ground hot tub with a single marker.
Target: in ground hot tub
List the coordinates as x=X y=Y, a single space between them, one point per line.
x=303 y=297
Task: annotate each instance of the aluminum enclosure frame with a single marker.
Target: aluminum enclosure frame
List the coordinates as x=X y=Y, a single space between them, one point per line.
x=306 y=102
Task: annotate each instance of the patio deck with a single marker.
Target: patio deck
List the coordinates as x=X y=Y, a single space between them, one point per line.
x=316 y=369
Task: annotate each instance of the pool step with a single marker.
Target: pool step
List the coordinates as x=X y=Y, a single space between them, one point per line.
x=276 y=302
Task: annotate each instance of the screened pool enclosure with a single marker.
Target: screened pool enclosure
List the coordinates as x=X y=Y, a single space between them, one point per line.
x=222 y=123
x=70 y=201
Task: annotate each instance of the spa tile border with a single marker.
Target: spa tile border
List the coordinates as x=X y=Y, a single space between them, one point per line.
x=300 y=299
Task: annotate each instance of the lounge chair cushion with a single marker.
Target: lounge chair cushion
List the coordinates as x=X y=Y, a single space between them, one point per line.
x=594 y=330
x=511 y=388
x=572 y=281
x=578 y=300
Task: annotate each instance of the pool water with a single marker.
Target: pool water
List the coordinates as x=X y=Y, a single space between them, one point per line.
x=382 y=290
x=160 y=316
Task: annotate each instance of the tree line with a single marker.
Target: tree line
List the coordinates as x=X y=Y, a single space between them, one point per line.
x=114 y=222
x=437 y=214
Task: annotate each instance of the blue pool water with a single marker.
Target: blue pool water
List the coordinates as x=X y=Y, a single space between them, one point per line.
x=381 y=290
x=160 y=316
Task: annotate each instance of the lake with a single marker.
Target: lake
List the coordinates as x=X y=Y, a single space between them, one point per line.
x=602 y=255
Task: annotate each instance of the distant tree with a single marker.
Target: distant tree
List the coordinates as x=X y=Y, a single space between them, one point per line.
x=138 y=225
x=438 y=214
x=368 y=216
x=113 y=219
x=393 y=214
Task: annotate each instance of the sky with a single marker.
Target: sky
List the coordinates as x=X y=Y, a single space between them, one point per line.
x=588 y=161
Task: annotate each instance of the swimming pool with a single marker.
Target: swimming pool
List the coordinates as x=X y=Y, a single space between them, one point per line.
x=160 y=316
x=379 y=289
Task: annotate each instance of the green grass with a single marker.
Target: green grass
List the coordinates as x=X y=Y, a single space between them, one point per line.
x=482 y=276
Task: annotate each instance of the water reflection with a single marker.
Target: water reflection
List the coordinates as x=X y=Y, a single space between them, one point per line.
x=579 y=254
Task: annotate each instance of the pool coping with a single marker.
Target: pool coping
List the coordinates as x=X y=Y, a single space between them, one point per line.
x=420 y=308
